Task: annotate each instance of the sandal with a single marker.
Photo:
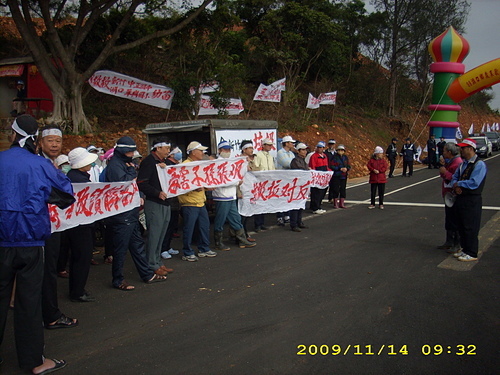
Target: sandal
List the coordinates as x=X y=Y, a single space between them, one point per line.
x=126 y=287
x=63 y=322
x=156 y=279
x=63 y=274
x=58 y=364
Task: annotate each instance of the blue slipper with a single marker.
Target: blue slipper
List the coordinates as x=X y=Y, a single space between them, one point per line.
x=59 y=365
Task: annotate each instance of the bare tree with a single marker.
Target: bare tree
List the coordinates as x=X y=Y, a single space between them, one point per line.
x=56 y=60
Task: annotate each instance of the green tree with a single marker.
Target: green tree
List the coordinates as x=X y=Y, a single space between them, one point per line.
x=56 y=53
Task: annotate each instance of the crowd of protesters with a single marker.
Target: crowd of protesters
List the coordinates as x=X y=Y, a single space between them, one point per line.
x=35 y=164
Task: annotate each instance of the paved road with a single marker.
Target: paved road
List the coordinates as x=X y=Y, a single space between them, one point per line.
x=357 y=282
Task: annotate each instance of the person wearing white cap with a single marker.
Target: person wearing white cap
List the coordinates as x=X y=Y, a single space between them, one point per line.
x=50 y=145
x=263 y=161
x=468 y=183
x=27 y=178
x=194 y=213
x=80 y=239
x=318 y=162
x=283 y=158
x=377 y=166
x=226 y=209
x=62 y=162
x=330 y=151
x=156 y=205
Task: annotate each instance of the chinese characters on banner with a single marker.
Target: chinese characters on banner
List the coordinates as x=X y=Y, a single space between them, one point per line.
x=235 y=107
x=278 y=191
x=204 y=88
x=268 y=94
x=123 y=86
x=320 y=179
x=235 y=137
x=95 y=201
x=329 y=98
x=185 y=177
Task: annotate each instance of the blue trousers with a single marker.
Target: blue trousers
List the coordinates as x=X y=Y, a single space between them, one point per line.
x=127 y=236
x=195 y=216
x=227 y=210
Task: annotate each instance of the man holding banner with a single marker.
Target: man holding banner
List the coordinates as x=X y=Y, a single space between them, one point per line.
x=263 y=161
x=156 y=205
x=194 y=213
x=227 y=209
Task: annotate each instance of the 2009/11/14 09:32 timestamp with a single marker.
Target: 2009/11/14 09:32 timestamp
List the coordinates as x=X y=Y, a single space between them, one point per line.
x=437 y=349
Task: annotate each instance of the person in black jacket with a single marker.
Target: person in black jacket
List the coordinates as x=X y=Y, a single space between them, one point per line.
x=156 y=206
x=392 y=153
x=80 y=239
x=125 y=226
x=408 y=152
x=432 y=152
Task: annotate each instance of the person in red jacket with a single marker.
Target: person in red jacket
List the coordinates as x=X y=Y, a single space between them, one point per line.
x=318 y=162
x=377 y=166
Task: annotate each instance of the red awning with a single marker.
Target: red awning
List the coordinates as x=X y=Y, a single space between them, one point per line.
x=11 y=70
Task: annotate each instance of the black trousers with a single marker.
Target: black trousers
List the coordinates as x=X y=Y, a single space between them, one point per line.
x=381 y=191
x=317 y=196
x=81 y=243
x=468 y=210
x=25 y=264
x=338 y=188
x=50 y=306
x=409 y=165
x=392 y=162
x=296 y=218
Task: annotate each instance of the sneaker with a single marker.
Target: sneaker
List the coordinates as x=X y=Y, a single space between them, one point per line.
x=466 y=258
x=166 y=255
x=371 y=207
x=190 y=258
x=173 y=252
x=287 y=219
x=281 y=222
x=317 y=212
x=381 y=206
x=208 y=253
x=459 y=254
x=296 y=229
x=108 y=259
x=303 y=226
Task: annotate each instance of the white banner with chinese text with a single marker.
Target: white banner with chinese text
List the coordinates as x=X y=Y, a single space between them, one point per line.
x=123 y=86
x=183 y=178
x=95 y=201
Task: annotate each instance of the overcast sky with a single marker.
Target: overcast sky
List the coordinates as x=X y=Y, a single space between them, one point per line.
x=483 y=31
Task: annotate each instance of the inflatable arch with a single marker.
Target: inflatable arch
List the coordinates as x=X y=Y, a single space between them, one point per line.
x=475 y=80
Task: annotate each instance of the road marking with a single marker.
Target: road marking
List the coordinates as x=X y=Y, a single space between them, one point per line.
x=416 y=204
x=487 y=236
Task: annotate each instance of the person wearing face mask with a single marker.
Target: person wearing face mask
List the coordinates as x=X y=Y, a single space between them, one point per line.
x=226 y=209
x=125 y=226
x=156 y=206
x=62 y=162
x=174 y=157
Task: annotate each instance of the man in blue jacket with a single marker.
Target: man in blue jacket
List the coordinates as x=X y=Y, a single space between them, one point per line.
x=28 y=183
